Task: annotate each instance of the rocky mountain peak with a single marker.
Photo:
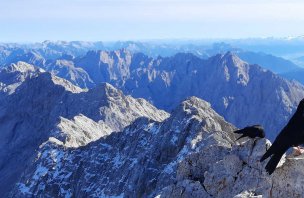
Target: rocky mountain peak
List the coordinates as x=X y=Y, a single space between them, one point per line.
x=106 y=66
x=191 y=152
x=104 y=55
x=13 y=75
x=232 y=58
x=22 y=67
x=46 y=107
x=47 y=80
x=100 y=142
x=196 y=102
x=193 y=106
x=170 y=159
x=200 y=110
x=233 y=68
x=119 y=57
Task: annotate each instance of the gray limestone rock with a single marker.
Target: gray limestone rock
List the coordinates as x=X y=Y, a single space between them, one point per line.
x=44 y=106
x=185 y=189
x=193 y=153
x=232 y=86
x=139 y=161
x=74 y=142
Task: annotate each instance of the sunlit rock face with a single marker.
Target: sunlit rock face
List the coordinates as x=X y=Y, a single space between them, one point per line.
x=233 y=87
x=36 y=105
x=138 y=161
x=100 y=142
x=192 y=153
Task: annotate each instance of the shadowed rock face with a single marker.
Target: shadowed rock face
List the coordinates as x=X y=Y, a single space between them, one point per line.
x=40 y=106
x=233 y=87
x=99 y=142
x=190 y=154
x=139 y=161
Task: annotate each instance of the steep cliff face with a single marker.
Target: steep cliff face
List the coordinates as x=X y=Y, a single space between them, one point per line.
x=100 y=142
x=236 y=172
x=41 y=105
x=192 y=153
x=233 y=87
x=139 y=161
x=106 y=66
x=64 y=67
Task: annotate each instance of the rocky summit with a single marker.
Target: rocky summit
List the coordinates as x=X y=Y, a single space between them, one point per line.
x=44 y=106
x=192 y=153
x=99 y=142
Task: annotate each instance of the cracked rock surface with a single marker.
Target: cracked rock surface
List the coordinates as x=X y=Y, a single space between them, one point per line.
x=190 y=154
x=236 y=172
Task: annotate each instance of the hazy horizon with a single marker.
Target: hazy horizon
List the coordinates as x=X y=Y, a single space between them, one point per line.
x=163 y=40
x=105 y=20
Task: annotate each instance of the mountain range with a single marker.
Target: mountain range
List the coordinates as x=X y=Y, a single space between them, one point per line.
x=36 y=105
x=233 y=87
x=50 y=50
x=102 y=143
x=124 y=124
x=166 y=81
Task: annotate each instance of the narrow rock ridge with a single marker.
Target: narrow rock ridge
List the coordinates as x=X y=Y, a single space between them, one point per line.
x=139 y=161
x=193 y=153
x=45 y=107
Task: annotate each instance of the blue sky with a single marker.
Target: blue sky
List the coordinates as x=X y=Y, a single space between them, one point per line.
x=92 y=20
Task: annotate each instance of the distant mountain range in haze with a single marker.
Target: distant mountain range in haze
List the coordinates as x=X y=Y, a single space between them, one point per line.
x=85 y=121
x=259 y=55
x=101 y=142
x=165 y=74
x=232 y=86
